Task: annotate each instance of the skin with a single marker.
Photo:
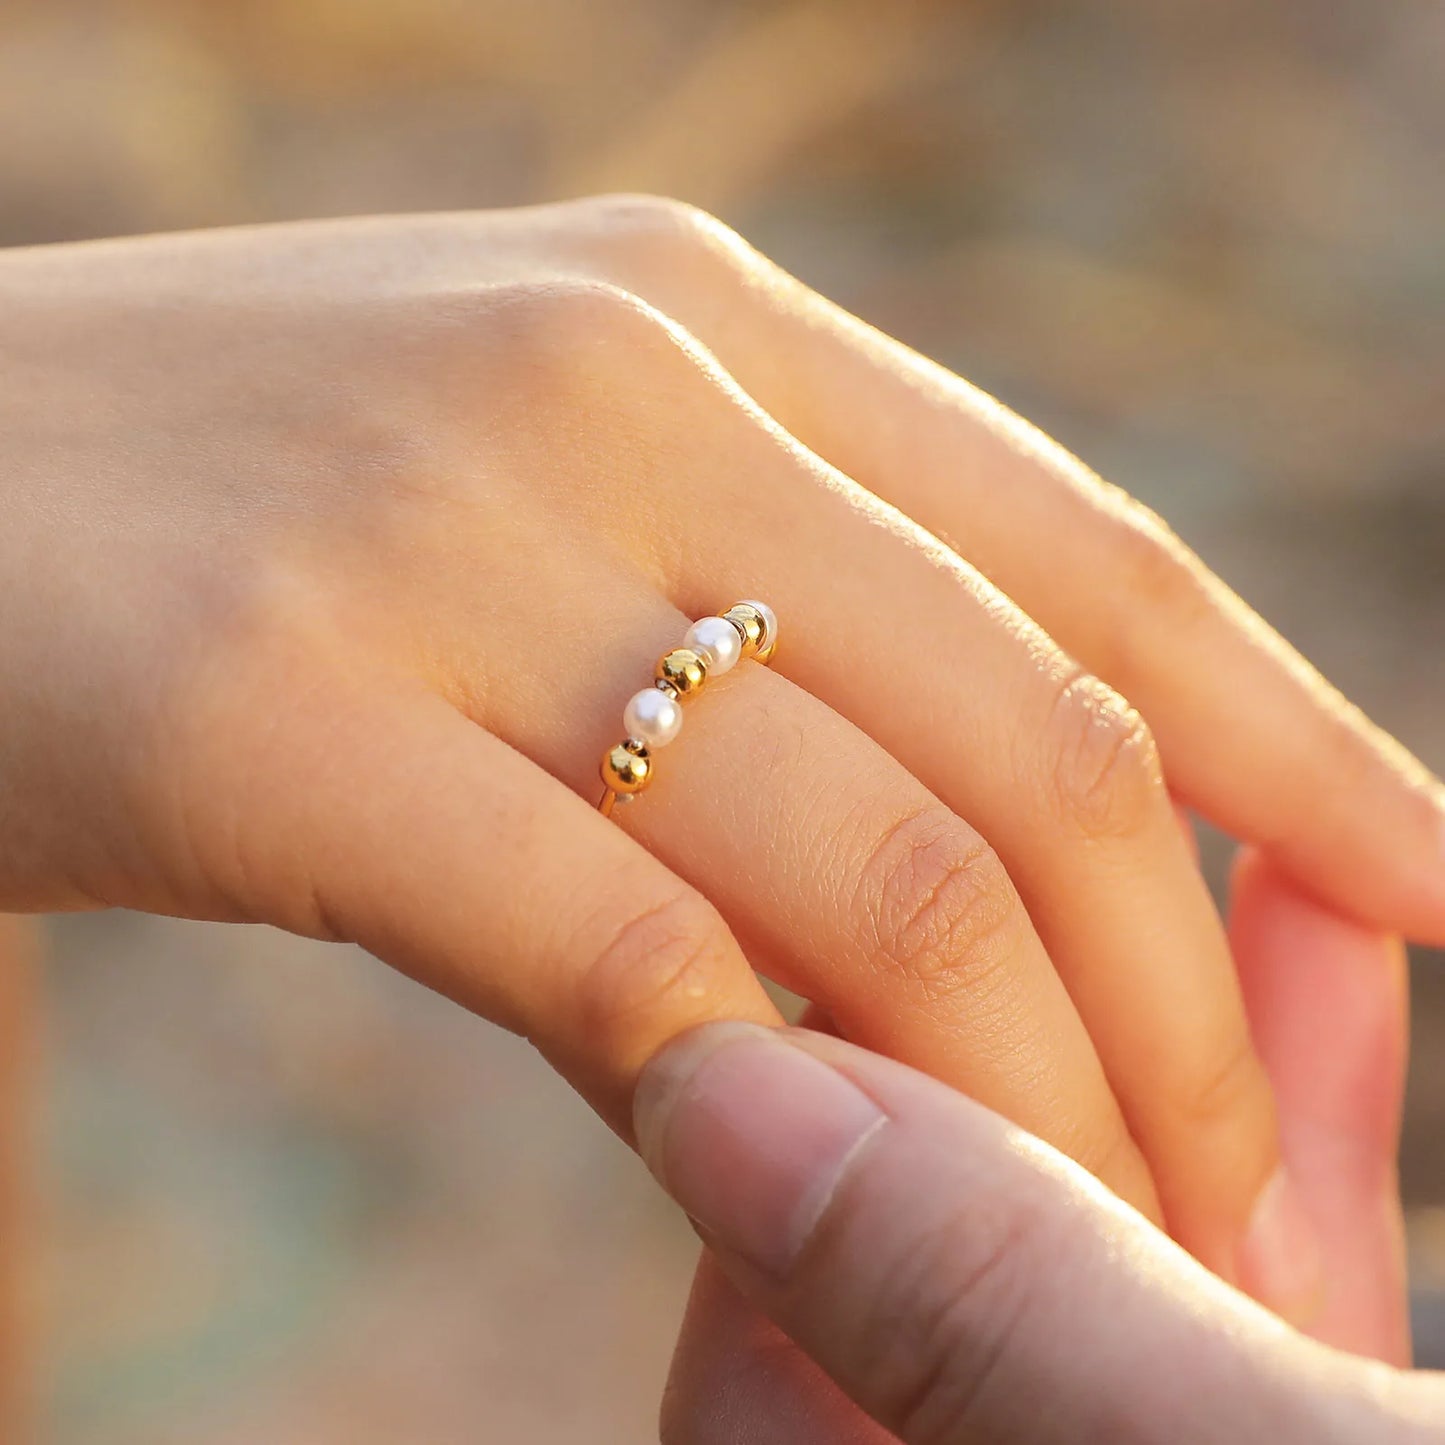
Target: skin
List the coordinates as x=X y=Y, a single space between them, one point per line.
x=333 y=552
x=951 y=1279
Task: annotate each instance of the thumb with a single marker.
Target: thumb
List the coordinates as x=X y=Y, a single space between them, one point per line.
x=957 y=1278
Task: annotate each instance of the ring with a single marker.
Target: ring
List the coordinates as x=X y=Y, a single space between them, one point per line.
x=653 y=717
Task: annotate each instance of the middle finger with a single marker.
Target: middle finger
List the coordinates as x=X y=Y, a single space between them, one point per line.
x=840 y=874
x=914 y=647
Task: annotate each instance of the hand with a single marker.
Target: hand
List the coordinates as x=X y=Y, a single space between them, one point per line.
x=333 y=551
x=960 y=1281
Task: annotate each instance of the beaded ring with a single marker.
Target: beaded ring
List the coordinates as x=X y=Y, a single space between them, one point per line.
x=653 y=717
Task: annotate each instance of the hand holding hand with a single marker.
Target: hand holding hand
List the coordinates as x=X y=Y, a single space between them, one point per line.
x=961 y=1282
x=332 y=553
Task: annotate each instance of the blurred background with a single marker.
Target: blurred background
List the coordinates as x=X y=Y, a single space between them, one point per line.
x=294 y=1199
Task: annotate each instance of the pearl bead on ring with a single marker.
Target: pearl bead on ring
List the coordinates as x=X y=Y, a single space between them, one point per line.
x=653 y=717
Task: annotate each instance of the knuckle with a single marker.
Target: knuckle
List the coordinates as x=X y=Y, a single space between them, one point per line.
x=574 y=315
x=939 y=1334
x=1112 y=1155
x=644 y=213
x=1229 y=1088
x=656 y=966
x=943 y=910
x=660 y=232
x=1158 y=574
x=1104 y=761
x=598 y=350
x=537 y=338
x=583 y=352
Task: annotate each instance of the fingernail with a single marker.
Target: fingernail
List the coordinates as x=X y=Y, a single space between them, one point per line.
x=751 y=1135
x=1279 y=1261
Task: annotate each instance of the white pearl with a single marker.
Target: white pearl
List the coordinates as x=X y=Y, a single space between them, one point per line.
x=716 y=639
x=770 y=623
x=652 y=717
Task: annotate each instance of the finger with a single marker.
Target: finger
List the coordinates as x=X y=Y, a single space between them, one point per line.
x=956 y=1279
x=737 y=1379
x=455 y=859
x=842 y=877
x=1327 y=1002
x=1186 y=831
x=1339 y=804
x=735 y=1376
x=1052 y=768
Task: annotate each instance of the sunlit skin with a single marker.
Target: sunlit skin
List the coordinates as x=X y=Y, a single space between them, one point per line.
x=333 y=552
x=1115 y=1339
x=956 y=1281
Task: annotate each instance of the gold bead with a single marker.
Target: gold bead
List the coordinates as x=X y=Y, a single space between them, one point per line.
x=748 y=621
x=627 y=768
x=760 y=639
x=683 y=670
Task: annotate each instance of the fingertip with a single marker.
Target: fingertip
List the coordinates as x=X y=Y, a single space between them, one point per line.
x=1267 y=900
x=751 y=1135
x=1327 y=1004
x=1380 y=863
x=1321 y=990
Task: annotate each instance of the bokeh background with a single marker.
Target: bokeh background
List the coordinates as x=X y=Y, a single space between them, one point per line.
x=291 y=1198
